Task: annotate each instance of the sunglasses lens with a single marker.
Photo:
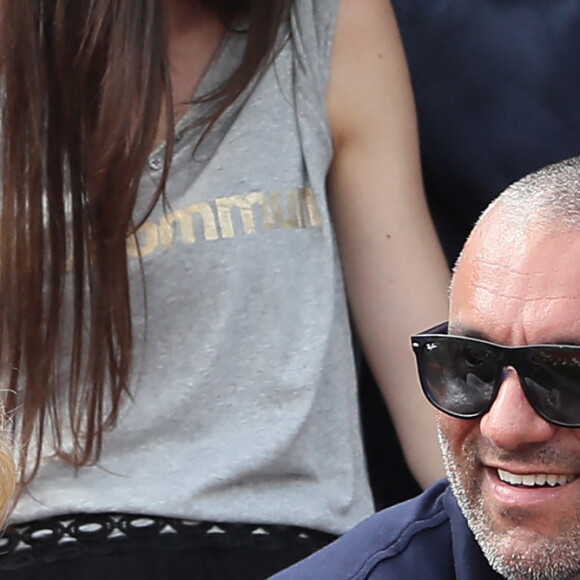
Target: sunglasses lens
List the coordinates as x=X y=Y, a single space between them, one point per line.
x=552 y=384
x=458 y=375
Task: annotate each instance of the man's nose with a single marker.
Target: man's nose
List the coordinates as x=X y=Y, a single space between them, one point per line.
x=512 y=422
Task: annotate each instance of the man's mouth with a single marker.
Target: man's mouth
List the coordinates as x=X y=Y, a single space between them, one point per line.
x=535 y=479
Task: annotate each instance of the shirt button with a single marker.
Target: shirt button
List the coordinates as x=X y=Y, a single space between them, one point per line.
x=155 y=163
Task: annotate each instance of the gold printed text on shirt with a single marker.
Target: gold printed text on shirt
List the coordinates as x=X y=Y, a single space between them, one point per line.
x=228 y=217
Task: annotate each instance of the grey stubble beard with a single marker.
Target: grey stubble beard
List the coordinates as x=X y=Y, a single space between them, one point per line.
x=559 y=561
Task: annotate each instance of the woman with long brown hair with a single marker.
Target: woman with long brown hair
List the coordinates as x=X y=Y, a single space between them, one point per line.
x=174 y=336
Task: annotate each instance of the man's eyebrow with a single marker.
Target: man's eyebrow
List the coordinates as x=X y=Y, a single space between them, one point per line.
x=459 y=329
x=566 y=342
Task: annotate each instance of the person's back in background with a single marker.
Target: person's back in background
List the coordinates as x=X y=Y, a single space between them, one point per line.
x=497 y=90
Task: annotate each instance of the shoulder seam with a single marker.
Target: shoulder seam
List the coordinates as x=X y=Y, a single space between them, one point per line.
x=401 y=542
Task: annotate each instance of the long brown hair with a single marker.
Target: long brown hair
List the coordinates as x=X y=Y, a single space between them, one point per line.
x=83 y=84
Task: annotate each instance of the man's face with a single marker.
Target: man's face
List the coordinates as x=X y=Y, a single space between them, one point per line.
x=516 y=289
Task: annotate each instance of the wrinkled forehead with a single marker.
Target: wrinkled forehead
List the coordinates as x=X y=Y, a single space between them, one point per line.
x=519 y=280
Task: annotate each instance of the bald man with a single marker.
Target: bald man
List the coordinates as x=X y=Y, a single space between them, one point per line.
x=504 y=375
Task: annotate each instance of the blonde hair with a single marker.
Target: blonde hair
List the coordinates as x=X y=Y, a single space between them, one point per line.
x=7 y=480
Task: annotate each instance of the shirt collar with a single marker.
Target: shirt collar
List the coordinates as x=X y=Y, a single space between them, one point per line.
x=470 y=563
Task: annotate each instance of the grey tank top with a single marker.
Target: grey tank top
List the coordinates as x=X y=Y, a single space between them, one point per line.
x=244 y=404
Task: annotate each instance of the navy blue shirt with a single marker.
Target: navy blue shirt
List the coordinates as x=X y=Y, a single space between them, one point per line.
x=426 y=537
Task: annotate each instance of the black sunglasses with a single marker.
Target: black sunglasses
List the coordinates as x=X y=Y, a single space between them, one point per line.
x=461 y=376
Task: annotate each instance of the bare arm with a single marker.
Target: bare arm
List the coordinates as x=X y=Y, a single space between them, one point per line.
x=396 y=274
